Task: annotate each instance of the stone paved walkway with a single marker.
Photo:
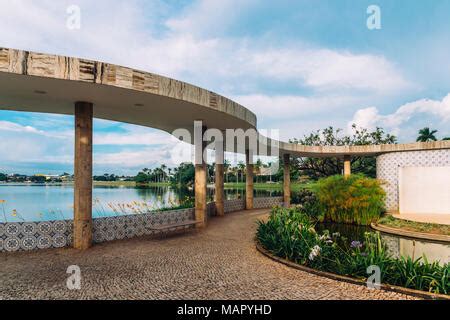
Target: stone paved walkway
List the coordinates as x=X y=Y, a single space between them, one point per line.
x=220 y=262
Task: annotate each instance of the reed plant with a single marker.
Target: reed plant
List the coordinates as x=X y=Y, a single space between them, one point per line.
x=354 y=200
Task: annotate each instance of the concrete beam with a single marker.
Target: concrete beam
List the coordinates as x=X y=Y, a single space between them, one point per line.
x=82 y=222
x=249 y=180
x=287 y=180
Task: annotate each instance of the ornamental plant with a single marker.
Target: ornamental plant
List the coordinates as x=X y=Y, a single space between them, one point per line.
x=354 y=200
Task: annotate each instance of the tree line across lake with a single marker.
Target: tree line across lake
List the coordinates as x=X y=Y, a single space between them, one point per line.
x=302 y=169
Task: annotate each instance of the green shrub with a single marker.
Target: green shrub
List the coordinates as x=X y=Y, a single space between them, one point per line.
x=354 y=200
x=309 y=203
x=290 y=234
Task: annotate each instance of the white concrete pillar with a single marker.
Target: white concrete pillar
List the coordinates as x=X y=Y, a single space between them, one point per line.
x=82 y=222
x=249 y=181
x=200 y=177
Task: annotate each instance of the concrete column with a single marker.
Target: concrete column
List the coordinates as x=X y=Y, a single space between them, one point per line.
x=82 y=222
x=200 y=177
x=347 y=166
x=287 y=180
x=220 y=192
x=249 y=180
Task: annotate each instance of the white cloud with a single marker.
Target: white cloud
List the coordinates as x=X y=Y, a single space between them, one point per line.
x=206 y=17
x=184 y=52
x=187 y=46
x=325 y=69
x=12 y=126
x=133 y=136
x=292 y=106
x=420 y=113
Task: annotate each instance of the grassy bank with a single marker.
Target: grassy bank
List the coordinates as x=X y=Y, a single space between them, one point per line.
x=115 y=183
x=431 y=228
x=129 y=184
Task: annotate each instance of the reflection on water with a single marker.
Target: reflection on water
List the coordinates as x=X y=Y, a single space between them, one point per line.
x=397 y=246
x=55 y=202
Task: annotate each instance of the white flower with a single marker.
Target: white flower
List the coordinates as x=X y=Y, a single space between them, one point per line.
x=315 y=252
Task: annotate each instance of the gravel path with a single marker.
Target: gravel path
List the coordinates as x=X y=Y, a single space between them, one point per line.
x=220 y=262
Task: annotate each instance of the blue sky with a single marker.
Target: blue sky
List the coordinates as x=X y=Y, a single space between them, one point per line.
x=299 y=65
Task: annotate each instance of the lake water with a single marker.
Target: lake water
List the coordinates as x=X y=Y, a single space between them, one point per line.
x=22 y=202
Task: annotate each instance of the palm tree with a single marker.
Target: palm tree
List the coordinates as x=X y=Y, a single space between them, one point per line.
x=163 y=173
x=426 y=135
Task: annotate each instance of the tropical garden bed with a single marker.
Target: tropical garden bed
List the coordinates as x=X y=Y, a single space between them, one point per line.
x=293 y=234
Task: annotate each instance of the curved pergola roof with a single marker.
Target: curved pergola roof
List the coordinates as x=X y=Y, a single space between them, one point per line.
x=37 y=82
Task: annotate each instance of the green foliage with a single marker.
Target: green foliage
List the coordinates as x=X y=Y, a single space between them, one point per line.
x=106 y=178
x=184 y=175
x=38 y=179
x=3 y=177
x=141 y=178
x=323 y=167
x=354 y=200
x=290 y=234
x=432 y=228
x=307 y=200
x=426 y=135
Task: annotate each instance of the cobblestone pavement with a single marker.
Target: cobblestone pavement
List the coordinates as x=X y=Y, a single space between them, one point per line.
x=220 y=262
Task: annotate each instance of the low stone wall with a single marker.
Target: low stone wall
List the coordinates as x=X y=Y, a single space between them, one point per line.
x=262 y=203
x=25 y=236
x=234 y=205
x=35 y=235
x=122 y=227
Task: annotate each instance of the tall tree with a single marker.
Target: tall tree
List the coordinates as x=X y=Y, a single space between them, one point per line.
x=426 y=135
x=322 y=167
x=3 y=177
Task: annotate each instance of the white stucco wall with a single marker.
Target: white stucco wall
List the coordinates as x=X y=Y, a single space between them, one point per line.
x=424 y=190
x=389 y=164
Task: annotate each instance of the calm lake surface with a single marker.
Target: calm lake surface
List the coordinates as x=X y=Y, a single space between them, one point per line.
x=23 y=202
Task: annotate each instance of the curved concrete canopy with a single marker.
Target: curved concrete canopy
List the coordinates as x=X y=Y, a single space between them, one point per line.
x=37 y=82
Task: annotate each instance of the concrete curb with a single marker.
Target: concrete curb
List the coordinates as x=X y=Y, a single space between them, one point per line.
x=410 y=292
x=411 y=234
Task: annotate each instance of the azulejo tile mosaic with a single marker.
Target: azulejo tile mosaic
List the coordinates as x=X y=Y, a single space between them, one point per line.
x=58 y=234
x=261 y=203
x=35 y=235
x=388 y=169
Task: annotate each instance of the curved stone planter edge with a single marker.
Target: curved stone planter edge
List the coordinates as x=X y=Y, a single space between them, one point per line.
x=411 y=234
x=333 y=276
